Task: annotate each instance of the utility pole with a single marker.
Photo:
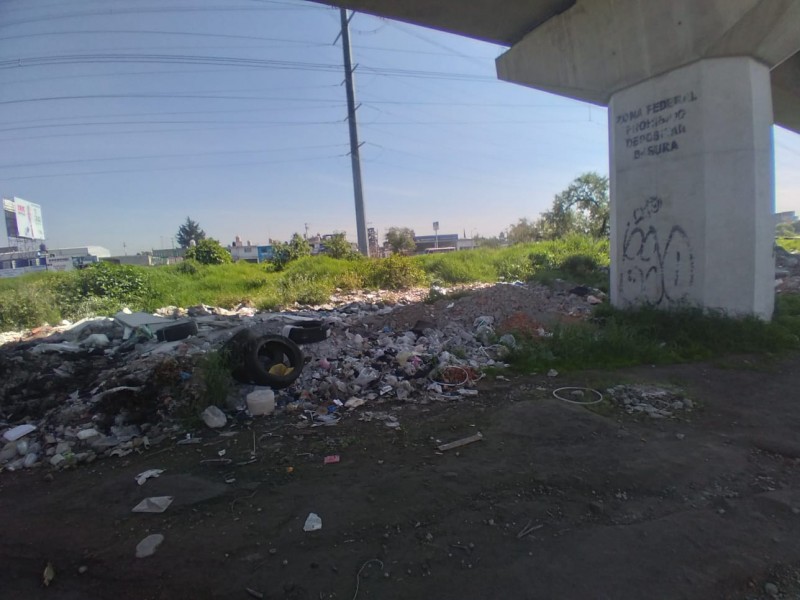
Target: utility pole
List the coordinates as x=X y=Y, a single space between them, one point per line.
x=361 y=219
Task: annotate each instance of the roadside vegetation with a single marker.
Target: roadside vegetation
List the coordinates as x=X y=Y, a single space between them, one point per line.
x=569 y=242
x=105 y=288
x=619 y=338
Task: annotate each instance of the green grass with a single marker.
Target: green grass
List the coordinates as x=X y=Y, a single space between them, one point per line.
x=790 y=244
x=617 y=338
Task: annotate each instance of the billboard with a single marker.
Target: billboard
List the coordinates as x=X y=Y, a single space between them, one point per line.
x=29 y=219
x=23 y=219
x=10 y=216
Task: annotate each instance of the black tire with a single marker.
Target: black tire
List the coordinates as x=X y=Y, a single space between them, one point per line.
x=265 y=352
x=308 y=332
x=179 y=331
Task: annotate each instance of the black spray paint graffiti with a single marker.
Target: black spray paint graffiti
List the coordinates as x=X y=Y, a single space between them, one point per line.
x=652 y=273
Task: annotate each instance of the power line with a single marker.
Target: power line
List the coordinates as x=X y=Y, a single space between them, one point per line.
x=309 y=43
x=186 y=167
x=366 y=104
x=179 y=155
x=173 y=122
x=229 y=61
x=129 y=96
x=159 y=9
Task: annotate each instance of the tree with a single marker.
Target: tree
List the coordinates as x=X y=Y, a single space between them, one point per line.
x=785 y=230
x=189 y=231
x=284 y=252
x=523 y=231
x=581 y=208
x=401 y=240
x=208 y=252
x=489 y=242
x=337 y=246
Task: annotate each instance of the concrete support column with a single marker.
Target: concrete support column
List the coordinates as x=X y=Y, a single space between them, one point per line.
x=692 y=189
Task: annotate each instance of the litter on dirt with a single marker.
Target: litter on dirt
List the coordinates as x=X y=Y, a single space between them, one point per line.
x=462 y=442
x=149 y=545
x=154 y=504
x=313 y=522
x=332 y=459
x=145 y=475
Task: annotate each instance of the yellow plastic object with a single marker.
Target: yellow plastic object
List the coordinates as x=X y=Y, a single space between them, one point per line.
x=280 y=370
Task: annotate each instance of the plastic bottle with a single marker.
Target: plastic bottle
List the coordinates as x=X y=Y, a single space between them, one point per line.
x=261 y=402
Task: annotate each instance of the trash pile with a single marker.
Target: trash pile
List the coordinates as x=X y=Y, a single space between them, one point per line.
x=655 y=402
x=111 y=386
x=787 y=271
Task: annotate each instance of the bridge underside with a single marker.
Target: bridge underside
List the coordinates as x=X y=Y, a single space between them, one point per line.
x=693 y=89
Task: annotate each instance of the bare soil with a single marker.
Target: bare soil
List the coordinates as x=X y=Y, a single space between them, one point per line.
x=703 y=506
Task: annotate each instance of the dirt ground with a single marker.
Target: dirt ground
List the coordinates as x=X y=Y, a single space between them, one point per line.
x=704 y=506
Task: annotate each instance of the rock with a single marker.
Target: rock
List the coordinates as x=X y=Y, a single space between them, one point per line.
x=85 y=434
x=8 y=452
x=508 y=340
x=771 y=589
x=57 y=459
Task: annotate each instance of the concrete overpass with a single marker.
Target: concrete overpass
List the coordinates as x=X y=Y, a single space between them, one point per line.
x=693 y=87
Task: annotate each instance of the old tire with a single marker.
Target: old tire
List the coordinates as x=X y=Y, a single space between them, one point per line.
x=267 y=351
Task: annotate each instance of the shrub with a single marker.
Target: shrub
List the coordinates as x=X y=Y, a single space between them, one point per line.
x=28 y=306
x=395 y=273
x=101 y=288
x=208 y=252
x=304 y=289
x=579 y=265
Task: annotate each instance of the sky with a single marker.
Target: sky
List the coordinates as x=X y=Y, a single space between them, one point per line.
x=121 y=119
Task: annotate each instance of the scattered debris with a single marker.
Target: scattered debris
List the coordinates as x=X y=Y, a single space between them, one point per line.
x=261 y=402
x=214 y=417
x=154 y=504
x=48 y=575
x=332 y=459
x=528 y=529
x=145 y=475
x=114 y=386
x=577 y=395
x=19 y=431
x=313 y=522
x=358 y=575
x=655 y=402
x=462 y=442
x=149 y=545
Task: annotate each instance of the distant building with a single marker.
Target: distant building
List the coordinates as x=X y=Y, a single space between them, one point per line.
x=146 y=259
x=14 y=262
x=788 y=216
x=249 y=252
x=172 y=255
x=373 y=243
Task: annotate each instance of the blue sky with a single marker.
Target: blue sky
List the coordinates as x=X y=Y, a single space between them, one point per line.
x=232 y=112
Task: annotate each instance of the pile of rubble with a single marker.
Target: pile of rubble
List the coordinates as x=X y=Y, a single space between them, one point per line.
x=110 y=386
x=652 y=401
x=787 y=271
